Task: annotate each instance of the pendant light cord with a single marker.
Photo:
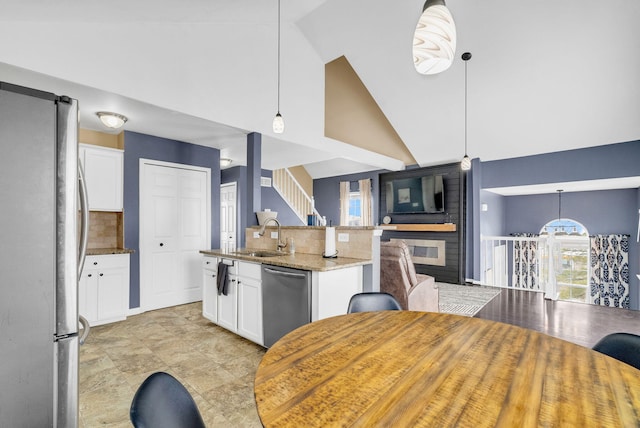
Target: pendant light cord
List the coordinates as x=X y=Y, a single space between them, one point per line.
x=559 y=206
x=465 y=57
x=465 y=164
x=278 y=56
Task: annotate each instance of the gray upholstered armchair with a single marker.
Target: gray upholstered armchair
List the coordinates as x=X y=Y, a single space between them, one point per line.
x=398 y=277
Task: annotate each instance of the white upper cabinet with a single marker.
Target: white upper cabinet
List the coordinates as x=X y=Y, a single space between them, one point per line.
x=103 y=170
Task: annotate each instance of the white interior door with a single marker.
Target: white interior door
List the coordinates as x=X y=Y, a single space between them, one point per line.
x=228 y=217
x=174 y=225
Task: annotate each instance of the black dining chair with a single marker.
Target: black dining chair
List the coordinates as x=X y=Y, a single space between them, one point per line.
x=373 y=301
x=163 y=402
x=621 y=346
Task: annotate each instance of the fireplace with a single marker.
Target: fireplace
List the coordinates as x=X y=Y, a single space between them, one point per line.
x=426 y=251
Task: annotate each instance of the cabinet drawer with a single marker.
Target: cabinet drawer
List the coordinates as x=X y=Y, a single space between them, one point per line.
x=210 y=263
x=107 y=261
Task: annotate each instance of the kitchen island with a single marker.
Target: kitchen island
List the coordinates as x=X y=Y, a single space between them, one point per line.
x=332 y=283
x=312 y=262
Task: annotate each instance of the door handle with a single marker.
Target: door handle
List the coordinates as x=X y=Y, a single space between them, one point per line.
x=279 y=272
x=84 y=219
x=85 y=329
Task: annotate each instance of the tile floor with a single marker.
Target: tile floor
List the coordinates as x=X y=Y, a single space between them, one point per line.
x=216 y=366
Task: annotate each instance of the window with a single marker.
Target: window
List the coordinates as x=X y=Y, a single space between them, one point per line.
x=356 y=206
x=355 y=209
x=566 y=259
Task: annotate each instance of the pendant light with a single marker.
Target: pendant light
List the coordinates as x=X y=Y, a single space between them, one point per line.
x=278 y=121
x=465 y=164
x=434 y=41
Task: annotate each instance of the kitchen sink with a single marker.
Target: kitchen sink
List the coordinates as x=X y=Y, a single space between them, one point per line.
x=259 y=253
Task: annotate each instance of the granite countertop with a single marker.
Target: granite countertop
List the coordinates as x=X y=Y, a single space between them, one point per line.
x=104 y=251
x=313 y=262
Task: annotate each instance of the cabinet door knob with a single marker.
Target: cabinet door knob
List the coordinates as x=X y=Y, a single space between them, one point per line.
x=89 y=275
x=213 y=276
x=101 y=274
x=162 y=244
x=95 y=263
x=208 y=262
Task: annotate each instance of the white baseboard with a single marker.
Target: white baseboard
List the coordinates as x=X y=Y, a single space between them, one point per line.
x=135 y=311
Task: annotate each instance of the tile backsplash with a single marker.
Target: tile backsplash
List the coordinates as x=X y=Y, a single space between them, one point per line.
x=310 y=240
x=106 y=230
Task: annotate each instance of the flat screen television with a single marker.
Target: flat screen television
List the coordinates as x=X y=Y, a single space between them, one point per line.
x=415 y=195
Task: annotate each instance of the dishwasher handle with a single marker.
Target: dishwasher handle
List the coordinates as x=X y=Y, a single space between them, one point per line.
x=279 y=272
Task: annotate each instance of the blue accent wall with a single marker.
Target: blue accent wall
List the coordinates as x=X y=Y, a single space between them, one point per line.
x=601 y=212
x=592 y=163
x=493 y=222
x=254 y=192
x=139 y=146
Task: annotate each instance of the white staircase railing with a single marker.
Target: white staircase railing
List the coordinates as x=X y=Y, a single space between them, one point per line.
x=294 y=195
x=551 y=263
x=499 y=269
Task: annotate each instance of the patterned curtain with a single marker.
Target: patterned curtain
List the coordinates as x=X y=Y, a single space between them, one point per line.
x=525 y=261
x=609 y=282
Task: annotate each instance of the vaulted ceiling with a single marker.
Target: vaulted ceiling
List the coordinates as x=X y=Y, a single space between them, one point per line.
x=545 y=76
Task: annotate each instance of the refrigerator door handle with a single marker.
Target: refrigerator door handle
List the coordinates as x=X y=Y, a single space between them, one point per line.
x=84 y=219
x=85 y=329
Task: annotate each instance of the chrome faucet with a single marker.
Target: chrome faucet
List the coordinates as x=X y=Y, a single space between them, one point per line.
x=281 y=244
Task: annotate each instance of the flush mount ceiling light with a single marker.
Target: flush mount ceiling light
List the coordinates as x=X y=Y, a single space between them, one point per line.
x=465 y=164
x=225 y=162
x=278 y=121
x=434 y=41
x=112 y=120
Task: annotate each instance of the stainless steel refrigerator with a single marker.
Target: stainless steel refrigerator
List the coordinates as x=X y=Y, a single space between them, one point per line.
x=43 y=236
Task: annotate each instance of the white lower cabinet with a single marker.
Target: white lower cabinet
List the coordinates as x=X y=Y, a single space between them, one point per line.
x=250 y=302
x=103 y=294
x=228 y=304
x=210 y=288
x=331 y=291
x=240 y=310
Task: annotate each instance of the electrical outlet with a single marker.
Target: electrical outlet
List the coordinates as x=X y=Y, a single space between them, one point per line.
x=256 y=235
x=343 y=237
x=274 y=235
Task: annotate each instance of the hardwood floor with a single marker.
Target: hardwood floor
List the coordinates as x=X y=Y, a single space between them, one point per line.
x=579 y=323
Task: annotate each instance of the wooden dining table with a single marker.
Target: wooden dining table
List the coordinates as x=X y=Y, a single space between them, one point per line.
x=406 y=369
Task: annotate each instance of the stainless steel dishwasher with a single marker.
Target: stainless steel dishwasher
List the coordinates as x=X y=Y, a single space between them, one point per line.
x=286 y=301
